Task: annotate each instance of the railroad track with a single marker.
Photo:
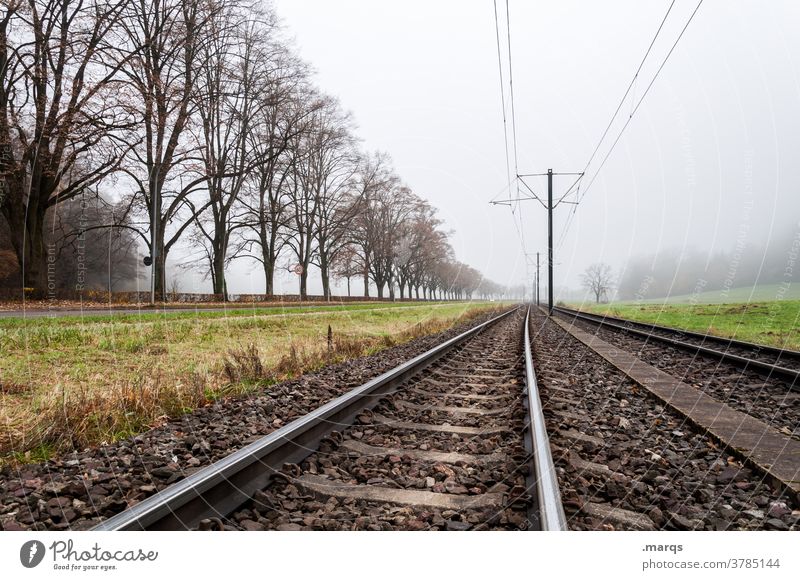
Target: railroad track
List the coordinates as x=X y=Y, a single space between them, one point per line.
x=452 y=439
x=640 y=449
x=766 y=360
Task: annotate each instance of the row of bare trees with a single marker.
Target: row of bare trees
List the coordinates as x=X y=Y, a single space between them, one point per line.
x=198 y=123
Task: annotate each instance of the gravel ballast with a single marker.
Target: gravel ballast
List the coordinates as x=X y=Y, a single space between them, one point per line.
x=621 y=456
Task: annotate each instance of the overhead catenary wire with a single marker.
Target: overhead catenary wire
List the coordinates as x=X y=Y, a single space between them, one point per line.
x=511 y=90
x=502 y=97
x=628 y=89
x=513 y=203
x=631 y=85
x=641 y=99
x=518 y=212
x=580 y=196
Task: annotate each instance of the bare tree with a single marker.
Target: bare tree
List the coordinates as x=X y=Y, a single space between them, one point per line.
x=168 y=38
x=598 y=279
x=321 y=175
x=347 y=264
x=58 y=113
x=284 y=114
x=206 y=119
x=230 y=94
x=336 y=165
x=304 y=204
x=418 y=241
x=374 y=179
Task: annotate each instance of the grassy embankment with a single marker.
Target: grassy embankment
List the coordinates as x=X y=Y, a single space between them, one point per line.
x=71 y=382
x=776 y=323
x=740 y=295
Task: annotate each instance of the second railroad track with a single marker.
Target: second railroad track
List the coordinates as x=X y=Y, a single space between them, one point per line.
x=772 y=362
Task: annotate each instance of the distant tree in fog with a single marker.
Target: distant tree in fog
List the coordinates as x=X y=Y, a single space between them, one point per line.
x=599 y=280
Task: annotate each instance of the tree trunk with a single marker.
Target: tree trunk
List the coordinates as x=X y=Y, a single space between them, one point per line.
x=326 y=287
x=366 y=285
x=27 y=238
x=326 y=280
x=304 y=285
x=348 y=286
x=220 y=286
x=269 y=275
x=160 y=263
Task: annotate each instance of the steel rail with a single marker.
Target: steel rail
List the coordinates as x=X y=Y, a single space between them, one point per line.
x=778 y=353
x=543 y=473
x=220 y=488
x=792 y=376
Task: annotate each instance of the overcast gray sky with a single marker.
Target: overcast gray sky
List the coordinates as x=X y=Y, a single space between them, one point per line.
x=719 y=130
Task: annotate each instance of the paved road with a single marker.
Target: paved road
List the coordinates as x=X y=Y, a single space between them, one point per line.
x=100 y=312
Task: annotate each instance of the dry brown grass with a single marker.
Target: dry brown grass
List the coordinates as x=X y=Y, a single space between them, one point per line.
x=70 y=418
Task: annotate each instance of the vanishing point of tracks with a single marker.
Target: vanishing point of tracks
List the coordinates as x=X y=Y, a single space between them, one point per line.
x=453 y=439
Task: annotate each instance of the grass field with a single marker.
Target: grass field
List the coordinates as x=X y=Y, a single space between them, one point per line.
x=71 y=382
x=776 y=322
x=760 y=293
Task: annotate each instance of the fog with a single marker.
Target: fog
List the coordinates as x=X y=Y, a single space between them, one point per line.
x=707 y=166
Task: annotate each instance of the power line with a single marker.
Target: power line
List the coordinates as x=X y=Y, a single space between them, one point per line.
x=514 y=204
x=630 y=86
x=502 y=96
x=533 y=193
x=621 y=102
x=569 y=190
x=580 y=196
x=641 y=99
x=511 y=90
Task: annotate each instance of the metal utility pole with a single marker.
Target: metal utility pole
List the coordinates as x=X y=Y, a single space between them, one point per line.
x=550 y=241
x=550 y=206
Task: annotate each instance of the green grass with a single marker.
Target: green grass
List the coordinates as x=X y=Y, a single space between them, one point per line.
x=93 y=316
x=76 y=381
x=107 y=332
x=775 y=323
x=748 y=294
